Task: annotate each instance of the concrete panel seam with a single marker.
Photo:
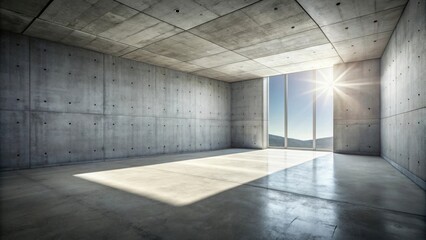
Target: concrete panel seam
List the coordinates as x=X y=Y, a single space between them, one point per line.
x=418 y=181
x=401 y=113
x=103 y=106
x=29 y=101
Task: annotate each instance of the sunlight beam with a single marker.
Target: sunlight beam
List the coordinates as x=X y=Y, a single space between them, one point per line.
x=184 y=182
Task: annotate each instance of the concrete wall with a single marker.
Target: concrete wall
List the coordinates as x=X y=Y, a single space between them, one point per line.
x=403 y=94
x=62 y=104
x=249 y=113
x=357 y=107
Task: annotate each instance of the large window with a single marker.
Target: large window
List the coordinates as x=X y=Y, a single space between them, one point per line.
x=277 y=110
x=324 y=109
x=301 y=110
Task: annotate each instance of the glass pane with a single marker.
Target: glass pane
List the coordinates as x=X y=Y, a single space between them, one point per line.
x=300 y=109
x=324 y=109
x=276 y=111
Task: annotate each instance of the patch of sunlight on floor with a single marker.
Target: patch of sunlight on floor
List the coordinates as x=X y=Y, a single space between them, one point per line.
x=185 y=182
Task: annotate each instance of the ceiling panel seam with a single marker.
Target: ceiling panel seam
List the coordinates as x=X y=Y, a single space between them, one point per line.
x=224 y=15
x=224 y=48
x=365 y=15
x=183 y=30
x=362 y=36
x=266 y=67
x=38 y=16
x=397 y=22
x=305 y=61
x=188 y=31
x=219 y=16
x=280 y=38
x=321 y=30
x=72 y=30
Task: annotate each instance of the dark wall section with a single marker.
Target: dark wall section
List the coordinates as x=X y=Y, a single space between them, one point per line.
x=14 y=101
x=62 y=104
x=403 y=88
x=249 y=114
x=357 y=107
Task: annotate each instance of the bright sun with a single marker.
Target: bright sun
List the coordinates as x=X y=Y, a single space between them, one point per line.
x=325 y=87
x=330 y=86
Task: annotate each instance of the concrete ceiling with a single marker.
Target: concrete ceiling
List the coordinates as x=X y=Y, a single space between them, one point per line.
x=227 y=40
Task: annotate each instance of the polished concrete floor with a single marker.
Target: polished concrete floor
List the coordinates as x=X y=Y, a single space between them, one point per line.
x=227 y=194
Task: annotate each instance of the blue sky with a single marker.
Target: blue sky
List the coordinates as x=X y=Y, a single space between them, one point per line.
x=300 y=104
x=276 y=105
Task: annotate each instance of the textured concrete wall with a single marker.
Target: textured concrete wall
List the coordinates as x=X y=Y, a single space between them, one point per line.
x=403 y=88
x=14 y=101
x=357 y=107
x=249 y=114
x=62 y=104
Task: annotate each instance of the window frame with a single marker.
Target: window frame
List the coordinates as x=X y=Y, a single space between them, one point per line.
x=314 y=117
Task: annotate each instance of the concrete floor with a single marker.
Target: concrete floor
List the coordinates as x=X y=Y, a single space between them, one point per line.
x=227 y=194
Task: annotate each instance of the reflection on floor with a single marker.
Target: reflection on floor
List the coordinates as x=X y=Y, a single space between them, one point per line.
x=227 y=194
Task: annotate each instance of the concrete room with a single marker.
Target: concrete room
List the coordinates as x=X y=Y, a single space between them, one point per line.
x=198 y=119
